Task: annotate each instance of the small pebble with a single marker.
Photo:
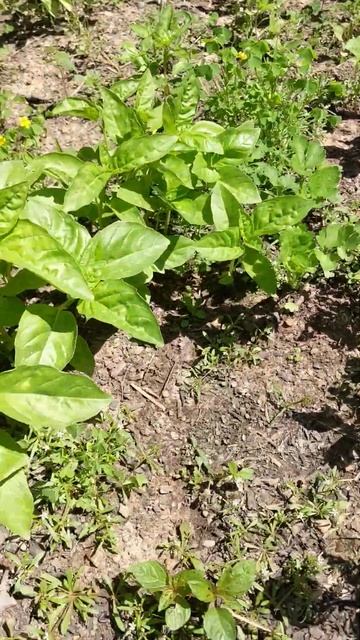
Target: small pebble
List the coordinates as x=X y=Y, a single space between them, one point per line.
x=209 y=544
x=165 y=488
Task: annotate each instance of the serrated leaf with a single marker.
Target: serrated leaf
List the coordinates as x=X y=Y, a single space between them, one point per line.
x=219 y=624
x=86 y=186
x=45 y=335
x=16 y=505
x=323 y=184
x=31 y=247
x=151 y=575
x=121 y=250
x=118 y=303
x=41 y=395
x=220 y=245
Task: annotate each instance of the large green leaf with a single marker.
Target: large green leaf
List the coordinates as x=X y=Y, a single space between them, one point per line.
x=179 y=251
x=61 y=226
x=77 y=107
x=12 y=457
x=194 y=207
x=145 y=95
x=16 y=505
x=86 y=186
x=204 y=136
x=151 y=575
x=45 y=335
x=23 y=280
x=31 y=247
x=241 y=187
x=277 y=214
x=119 y=120
x=62 y=166
x=220 y=245
x=240 y=139
x=237 y=579
x=121 y=250
x=11 y=310
x=259 y=267
x=224 y=208
x=83 y=359
x=12 y=201
x=138 y=152
x=219 y=624
x=136 y=192
x=187 y=99
x=11 y=172
x=118 y=303
x=41 y=395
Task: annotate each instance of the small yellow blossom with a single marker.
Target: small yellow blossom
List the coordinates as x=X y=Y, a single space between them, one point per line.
x=24 y=122
x=241 y=55
x=2 y=141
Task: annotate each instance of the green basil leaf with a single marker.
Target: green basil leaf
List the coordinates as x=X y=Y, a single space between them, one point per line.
x=195 y=209
x=31 y=247
x=121 y=250
x=259 y=267
x=118 y=303
x=138 y=152
x=297 y=251
x=16 y=505
x=12 y=201
x=62 y=166
x=151 y=575
x=11 y=172
x=77 y=107
x=12 y=457
x=11 y=310
x=23 y=280
x=40 y=395
x=201 y=588
x=277 y=214
x=119 y=120
x=124 y=89
x=136 y=192
x=61 y=226
x=241 y=187
x=179 y=251
x=86 y=186
x=224 y=207
x=45 y=335
x=145 y=95
x=219 y=624
x=220 y=246
x=83 y=359
x=187 y=100
x=240 y=139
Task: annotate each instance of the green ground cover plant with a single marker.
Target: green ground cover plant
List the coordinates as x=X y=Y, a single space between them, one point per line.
x=164 y=186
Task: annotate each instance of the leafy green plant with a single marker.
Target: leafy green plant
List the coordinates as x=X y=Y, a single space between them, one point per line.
x=189 y=599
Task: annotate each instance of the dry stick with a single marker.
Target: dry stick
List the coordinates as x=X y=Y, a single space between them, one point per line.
x=168 y=377
x=147 y=395
x=250 y=622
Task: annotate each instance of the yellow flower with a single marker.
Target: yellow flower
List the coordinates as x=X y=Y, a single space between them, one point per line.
x=241 y=55
x=2 y=141
x=24 y=122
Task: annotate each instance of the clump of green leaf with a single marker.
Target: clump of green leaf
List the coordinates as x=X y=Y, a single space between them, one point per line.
x=190 y=600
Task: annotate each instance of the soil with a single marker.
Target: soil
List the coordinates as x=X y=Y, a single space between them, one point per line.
x=289 y=414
